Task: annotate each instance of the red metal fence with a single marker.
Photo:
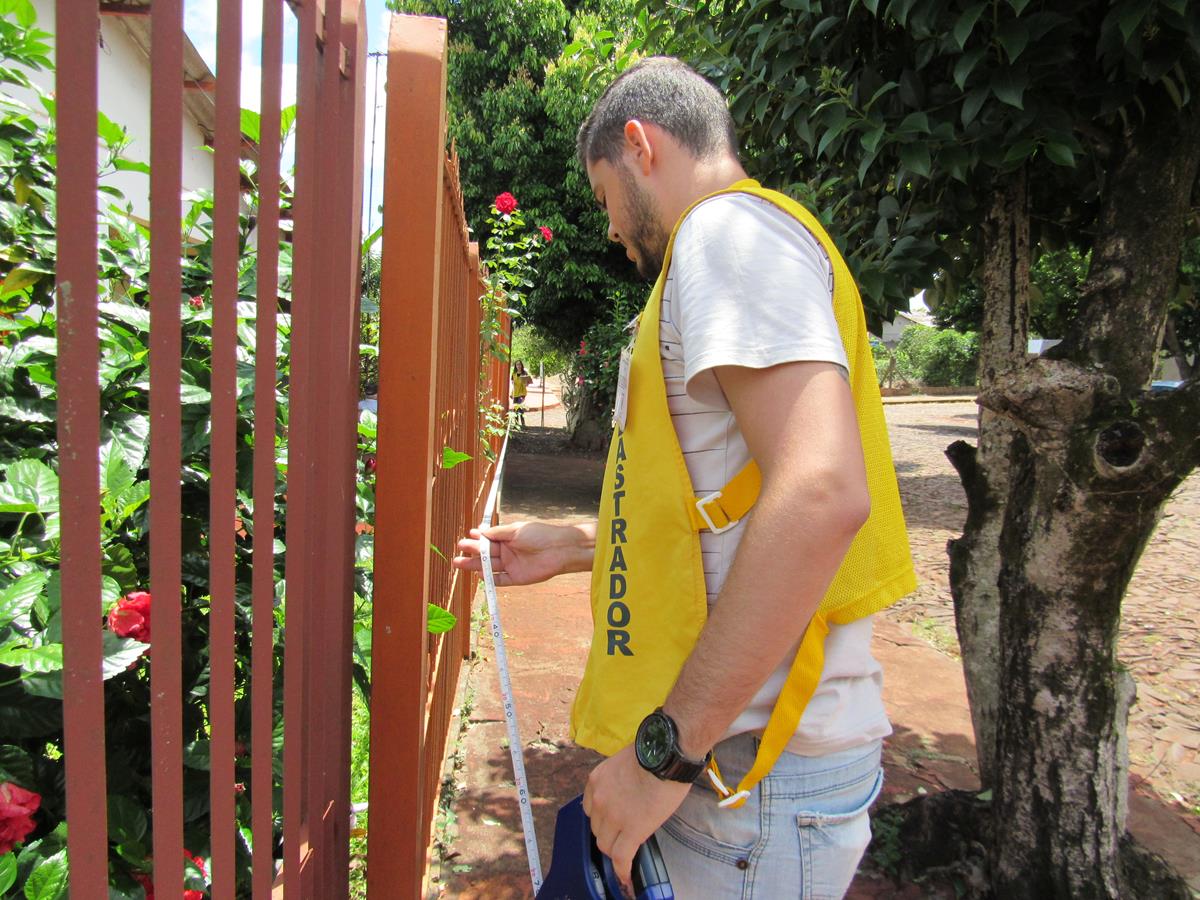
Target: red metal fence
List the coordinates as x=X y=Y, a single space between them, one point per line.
x=320 y=437
x=430 y=393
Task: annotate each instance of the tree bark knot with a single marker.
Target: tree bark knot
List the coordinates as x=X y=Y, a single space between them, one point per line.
x=1050 y=396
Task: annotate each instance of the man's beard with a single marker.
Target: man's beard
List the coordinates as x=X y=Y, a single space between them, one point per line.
x=646 y=235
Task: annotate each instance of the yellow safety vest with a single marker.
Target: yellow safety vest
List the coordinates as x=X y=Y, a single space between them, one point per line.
x=648 y=590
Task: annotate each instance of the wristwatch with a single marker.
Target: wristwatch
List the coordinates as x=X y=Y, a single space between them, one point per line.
x=657 y=749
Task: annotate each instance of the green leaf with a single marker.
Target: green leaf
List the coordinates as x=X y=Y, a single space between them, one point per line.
x=110 y=132
x=30 y=483
x=1013 y=37
x=48 y=881
x=452 y=457
x=1009 y=87
x=133 y=316
x=190 y=394
x=972 y=104
x=120 y=653
x=1020 y=151
x=885 y=88
x=121 y=164
x=966 y=23
x=914 y=123
x=18 y=598
x=19 y=409
x=115 y=474
x=8 y=872
x=118 y=565
x=870 y=140
x=889 y=207
x=35 y=660
x=251 y=124
x=1060 y=154
x=440 y=620
x=916 y=158
x=966 y=65
x=110 y=592
x=126 y=820
x=197 y=755
x=18 y=279
x=1130 y=17
x=16 y=766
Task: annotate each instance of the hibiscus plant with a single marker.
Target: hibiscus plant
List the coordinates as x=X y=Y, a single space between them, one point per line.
x=33 y=859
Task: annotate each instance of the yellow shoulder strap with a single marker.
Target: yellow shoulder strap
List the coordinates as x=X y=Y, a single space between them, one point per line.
x=801 y=684
x=721 y=510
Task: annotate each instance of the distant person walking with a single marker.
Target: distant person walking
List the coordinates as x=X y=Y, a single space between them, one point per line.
x=520 y=387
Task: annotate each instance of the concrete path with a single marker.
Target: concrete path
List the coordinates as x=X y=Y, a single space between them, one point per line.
x=547 y=628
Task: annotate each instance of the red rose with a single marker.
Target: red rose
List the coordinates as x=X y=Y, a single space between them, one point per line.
x=130 y=617
x=17 y=807
x=547 y=234
x=196 y=303
x=370 y=464
x=505 y=203
x=583 y=348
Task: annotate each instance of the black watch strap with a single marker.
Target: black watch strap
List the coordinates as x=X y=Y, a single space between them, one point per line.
x=680 y=768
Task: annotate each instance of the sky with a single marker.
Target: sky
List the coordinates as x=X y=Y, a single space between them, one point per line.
x=200 y=23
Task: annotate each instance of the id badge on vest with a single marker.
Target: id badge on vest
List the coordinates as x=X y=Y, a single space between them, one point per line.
x=621 y=406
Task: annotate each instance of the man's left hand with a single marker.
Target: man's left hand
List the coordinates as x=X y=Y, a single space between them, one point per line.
x=626 y=805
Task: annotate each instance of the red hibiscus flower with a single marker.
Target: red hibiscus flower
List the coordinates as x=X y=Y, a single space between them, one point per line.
x=130 y=617
x=505 y=203
x=370 y=464
x=547 y=234
x=17 y=807
x=196 y=303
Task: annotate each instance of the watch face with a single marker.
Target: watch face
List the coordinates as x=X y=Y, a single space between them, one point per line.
x=654 y=741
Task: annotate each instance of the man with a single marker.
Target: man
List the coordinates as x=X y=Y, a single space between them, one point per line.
x=750 y=521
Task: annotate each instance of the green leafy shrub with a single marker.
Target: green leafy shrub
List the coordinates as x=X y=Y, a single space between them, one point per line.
x=937 y=357
x=534 y=348
x=592 y=385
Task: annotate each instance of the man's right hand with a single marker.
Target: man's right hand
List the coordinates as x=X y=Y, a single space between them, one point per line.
x=528 y=552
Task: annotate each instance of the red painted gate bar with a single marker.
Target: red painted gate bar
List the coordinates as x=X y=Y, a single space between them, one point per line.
x=431 y=389
x=79 y=443
x=262 y=749
x=166 y=676
x=223 y=486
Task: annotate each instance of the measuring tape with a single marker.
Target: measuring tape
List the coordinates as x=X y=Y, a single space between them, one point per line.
x=506 y=691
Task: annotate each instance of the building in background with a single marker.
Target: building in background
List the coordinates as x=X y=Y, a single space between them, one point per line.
x=124 y=86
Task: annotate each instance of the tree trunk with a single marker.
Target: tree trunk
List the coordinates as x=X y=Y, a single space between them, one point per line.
x=974 y=564
x=1073 y=465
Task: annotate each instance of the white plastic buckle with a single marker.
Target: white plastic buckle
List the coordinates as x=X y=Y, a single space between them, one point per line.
x=733 y=799
x=712 y=527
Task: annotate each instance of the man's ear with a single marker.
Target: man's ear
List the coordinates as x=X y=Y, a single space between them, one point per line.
x=639 y=146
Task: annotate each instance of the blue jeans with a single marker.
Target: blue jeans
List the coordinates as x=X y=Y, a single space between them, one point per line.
x=800 y=834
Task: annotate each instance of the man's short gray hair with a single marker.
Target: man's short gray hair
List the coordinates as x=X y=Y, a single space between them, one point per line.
x=665 y=92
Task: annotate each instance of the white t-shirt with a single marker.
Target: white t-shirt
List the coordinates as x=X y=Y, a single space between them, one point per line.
x=750 y=286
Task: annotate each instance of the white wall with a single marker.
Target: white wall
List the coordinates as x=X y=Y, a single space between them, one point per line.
x=124 y=84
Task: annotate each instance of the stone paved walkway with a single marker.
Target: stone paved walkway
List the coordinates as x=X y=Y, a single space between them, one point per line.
x=547 y=628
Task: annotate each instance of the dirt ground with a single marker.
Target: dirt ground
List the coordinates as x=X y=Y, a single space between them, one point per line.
x=478 y=846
